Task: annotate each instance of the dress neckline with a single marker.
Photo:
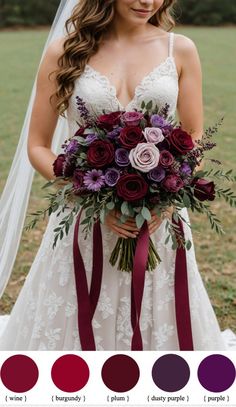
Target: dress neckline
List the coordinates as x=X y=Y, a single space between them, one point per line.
x=113 y=89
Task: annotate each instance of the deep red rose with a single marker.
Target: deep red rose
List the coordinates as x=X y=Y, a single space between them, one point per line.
x=130 y=136
x=78 y=178
x=58 y=165
x=131 y=187
x=108 y=121
x=100 y=153
x=204 y=190
x=180 y=142
x=173 y=183
x=166 y=159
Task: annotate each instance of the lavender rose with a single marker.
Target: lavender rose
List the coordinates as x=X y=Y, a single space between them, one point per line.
x=157 y=174
x=90 y=138
x=158 y=121
x=112 y=176
x=153 y=135
x=166 y=159
x=72 y=147
x=114 y=133
x=122 y=157
x=144 y=157
x=185 y=169
x=132 y=118
x=173 y=183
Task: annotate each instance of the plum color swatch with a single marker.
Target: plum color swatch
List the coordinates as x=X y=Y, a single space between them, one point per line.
x=170 y=373
x=216 y=373
x=19 y=373
x=70 y=373
x=120 y=373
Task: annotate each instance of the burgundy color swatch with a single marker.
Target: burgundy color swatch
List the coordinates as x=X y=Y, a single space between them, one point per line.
x=19 y=373
x=70 y=373
x=170 y=373
x=216 y=373
x=120 y=373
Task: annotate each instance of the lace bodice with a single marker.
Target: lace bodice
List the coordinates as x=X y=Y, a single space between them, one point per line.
x=160 y=85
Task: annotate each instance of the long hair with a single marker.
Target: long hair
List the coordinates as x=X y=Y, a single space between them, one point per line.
x=90 y=20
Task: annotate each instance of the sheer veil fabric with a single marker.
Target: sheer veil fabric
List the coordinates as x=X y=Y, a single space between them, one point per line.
x=14 y=200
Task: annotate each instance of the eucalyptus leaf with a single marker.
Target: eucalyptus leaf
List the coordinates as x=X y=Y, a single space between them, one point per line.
x=125 y=208
x=146 y=214
x=139 y=220
x=110 y=205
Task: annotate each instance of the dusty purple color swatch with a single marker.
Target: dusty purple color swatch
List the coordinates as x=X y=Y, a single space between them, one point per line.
x=170 y=373
x=216 y=373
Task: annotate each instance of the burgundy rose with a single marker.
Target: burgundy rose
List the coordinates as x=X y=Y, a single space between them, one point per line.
x=58 y=165
x=173 y=183
x=180 y=142
x=130 y=136
x=78 y=178
x=166 y=159
x=108 y=121
x=204 y=190
x=131 y=187
x=100 y=153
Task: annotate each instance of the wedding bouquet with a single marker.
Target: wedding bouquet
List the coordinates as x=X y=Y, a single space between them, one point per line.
x=137 y=163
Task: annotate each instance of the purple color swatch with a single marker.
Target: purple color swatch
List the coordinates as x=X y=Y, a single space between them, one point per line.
x=216 y=373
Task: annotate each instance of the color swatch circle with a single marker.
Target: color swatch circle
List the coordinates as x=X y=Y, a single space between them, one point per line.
x=170 y=373
x=70 y=373
x=120 y=373
x=216 y=373
x=19 y=373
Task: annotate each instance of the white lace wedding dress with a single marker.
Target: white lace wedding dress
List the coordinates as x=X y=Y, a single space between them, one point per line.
x=45 y=314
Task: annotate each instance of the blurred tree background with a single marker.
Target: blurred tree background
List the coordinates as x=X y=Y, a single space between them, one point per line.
x=41 y=12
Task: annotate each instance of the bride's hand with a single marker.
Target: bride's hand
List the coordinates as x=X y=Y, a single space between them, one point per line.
x=155 y=222
x=125 y=230
x=129 y=228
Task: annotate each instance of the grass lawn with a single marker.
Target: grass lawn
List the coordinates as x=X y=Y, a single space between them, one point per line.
x=20 y=53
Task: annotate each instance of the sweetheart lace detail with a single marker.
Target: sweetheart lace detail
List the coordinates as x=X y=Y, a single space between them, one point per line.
x=100 y=95
x=168 y=66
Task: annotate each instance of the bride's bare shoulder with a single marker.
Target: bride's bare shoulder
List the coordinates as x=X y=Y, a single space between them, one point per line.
x=184 y=46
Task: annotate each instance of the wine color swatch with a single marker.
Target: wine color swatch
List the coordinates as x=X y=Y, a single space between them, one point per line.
x=19 y=373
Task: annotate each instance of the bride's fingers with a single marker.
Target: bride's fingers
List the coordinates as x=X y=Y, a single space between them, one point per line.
x=122 y=232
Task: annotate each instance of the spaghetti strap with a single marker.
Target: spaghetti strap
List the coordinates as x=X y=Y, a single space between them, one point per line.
x=171 y=44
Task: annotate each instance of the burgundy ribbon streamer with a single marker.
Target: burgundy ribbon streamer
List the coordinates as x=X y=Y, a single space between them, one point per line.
x=137 y=285
x=182 y=307
x=87 y=302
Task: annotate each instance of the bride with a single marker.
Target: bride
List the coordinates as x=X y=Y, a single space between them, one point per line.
x=114 y=55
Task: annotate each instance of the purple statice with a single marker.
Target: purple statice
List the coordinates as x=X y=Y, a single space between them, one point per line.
x=90 y=138
x=94 y=180
x=72 y=147
x=114 y=133
x=185 y=169
x=112 y=176
x=158 y=121
x=167 y=130
x=122 y=157
x=157 y=174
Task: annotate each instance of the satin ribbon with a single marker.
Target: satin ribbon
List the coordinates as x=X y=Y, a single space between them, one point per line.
x=182 y=307
x=87 y=301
